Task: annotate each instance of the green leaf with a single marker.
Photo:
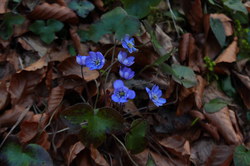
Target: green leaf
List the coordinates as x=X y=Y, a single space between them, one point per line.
x=241 y=156
x=99 y=122
x=9 y=20
x=236 y=5
x=82 y=8
x=227 y=87
x=115 y=21
x=218 y=30
x=13 y=155
x=150 y=161
x=46 y=30
x=215 y=105
x=184 y=75
x=139 y=8
x=135 y=140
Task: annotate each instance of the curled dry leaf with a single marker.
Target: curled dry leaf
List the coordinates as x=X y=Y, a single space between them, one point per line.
x=55 y=98
x=200 y=151
x=226 y=22
x=221 y=155
x=164 y=40
x=176 y=144
x=54 y=11
x=222 y=121
x=23 y=84
x=4 y=95
x=10 y=117
x=190 y=53
x=97 y=157
x=30 y=127
x=247 y=5
x=242 y=84
x=70 y=67
x=3 y=6
x=74 y=150
x=76 y=40
x=43 y=140
x=194 y=14
x=160 y=160
x=212 y=130
x=229 y=54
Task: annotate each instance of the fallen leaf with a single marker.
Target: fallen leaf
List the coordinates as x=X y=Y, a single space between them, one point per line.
x=74 y=150
x=97 y=157
x=221 y=155
x=194 y=13
x=229 y=54
x=55 y=98
x=247 y=5
x=3 y=6
x=164 y=40
x=53 y=11
x=242 y=84
x=226 y=22
x=4 y=95
x=200 y=151
x=28 y=131
x=222 y=121
x=70 y=67
x=176 y=144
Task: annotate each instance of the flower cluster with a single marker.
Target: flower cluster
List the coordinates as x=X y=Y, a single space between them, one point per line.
x=94 y=61
x=122 y=94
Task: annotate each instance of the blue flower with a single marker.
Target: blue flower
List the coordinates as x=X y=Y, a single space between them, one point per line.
x=155 y=95
x=126 y=73
x=95 y=60
x=123 y=59
x=121 y=92
x=128 y=43
x=81 y=60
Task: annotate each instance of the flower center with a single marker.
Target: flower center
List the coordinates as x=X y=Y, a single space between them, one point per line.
x=121 y=93
x=130 y=45
x=155 y=97
x=97 y=62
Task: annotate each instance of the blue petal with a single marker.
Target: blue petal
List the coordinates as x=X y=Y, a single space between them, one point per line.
x=79 y=60
x=92 y=54
x=123 y=100
x=118 y=84
x=131 y=94
x=124 y=45
x=162 y=100
x=115 y=98
x=132 y=41
x=147 y=89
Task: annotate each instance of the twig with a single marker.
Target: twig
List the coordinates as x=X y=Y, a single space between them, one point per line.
x=125 y=150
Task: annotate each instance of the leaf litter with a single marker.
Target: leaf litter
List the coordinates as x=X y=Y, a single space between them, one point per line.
x=41 y=80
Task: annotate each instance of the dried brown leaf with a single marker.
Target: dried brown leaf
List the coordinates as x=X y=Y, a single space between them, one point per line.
x=53 y=11
x=97 y=157
x=200 y=151
x=70 y=67
x=28 y=131
x=242 y=84
x=178 y=145
x=74 y=151
x=221 y=155
x=193 y=12
x=229 y=54
x=223 y=123
x=55 y=98
x=3 y=6
x=4 y=95
x=247 y=5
